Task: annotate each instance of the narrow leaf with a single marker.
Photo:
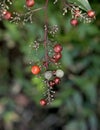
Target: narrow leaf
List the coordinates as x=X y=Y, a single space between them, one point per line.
x=83 y=4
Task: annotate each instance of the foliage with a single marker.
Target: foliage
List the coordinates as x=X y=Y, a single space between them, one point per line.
x=77 y=104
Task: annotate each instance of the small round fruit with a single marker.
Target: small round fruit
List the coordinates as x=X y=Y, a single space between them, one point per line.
x=57 y=48
x=59 y=73
x=30 y=3
x=57 y=80
x=51 y=83
x=35 y=69
x=43 y=102
x=74 y=22
x=48 y=75
x=57 y=56
x=7 y=15
x=91 y=13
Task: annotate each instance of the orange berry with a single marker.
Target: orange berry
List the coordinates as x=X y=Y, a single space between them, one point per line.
x=35 y=69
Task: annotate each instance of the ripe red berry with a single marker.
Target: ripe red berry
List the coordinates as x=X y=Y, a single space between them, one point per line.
x=51 y=83
x=30 y=3
x=57 y=56
x=57 y=80
x=91 y=13
x=7 y=15
x=43 y=102
x=35 y=69
x=74 y=22
x=57 y=48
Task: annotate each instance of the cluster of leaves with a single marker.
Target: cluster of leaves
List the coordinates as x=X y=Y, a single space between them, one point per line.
x=77 y=106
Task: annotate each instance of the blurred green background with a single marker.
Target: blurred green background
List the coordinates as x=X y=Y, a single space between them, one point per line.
x=77 y=103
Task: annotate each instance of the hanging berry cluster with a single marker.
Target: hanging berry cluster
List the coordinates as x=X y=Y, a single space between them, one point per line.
x=79 y=13
x=80 y=10
x=50 y=59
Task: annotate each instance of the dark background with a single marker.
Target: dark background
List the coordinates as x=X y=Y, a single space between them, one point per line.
x=77 y=103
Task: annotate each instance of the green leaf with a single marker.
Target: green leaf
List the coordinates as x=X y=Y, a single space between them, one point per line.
x=84 y=4
x=73 y=125
x=88 y=86
x=56 y=103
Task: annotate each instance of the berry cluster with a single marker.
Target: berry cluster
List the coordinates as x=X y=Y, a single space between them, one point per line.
x=51 y=77
x=15 y=17
x=52 y=50
x=77 y=14
x=56 y=78
x=87 y=17
x=57 y=53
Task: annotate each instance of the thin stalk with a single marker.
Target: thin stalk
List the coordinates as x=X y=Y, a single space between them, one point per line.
x=45 y=34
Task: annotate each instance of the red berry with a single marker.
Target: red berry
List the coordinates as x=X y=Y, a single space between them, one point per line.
x=91 y=13
x=43 y=102
x=7 y=15
x=74 y=22
x=57 y=80
x=51 y=83
x=35 y=69
x=30 y=3
x=57 y=48
x=57 y=56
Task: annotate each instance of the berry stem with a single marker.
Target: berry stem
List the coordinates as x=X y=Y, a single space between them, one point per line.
x=35 y=10
x=68 y=5
x=45 y=33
